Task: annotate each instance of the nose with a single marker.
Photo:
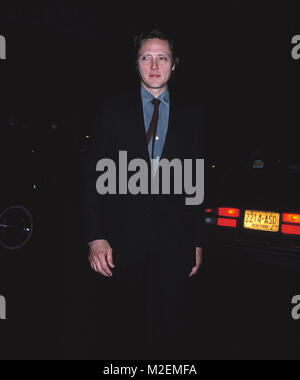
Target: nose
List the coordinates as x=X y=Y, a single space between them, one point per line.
x=154 y=64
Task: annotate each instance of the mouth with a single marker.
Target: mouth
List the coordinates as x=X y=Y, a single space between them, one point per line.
x=154 y=76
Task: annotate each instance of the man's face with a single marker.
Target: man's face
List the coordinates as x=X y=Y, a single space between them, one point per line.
x=155 y=63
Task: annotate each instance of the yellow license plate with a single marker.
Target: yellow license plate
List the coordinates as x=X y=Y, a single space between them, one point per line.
x=262 y=221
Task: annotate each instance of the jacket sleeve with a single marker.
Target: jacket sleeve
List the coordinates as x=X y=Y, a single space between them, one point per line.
x=99 y=148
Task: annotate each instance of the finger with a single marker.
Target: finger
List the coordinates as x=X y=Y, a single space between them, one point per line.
x=104 y=266
x=110 y=258
x=93 y=266
x=98 y=262
x=101 y=271
x=192 y=273
x=98 y=266
x=104 y=274
x=95 y=261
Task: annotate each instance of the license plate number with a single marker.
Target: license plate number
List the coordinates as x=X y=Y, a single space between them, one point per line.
x=262 y=221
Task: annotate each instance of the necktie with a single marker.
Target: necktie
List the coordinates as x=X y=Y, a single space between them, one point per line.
x=153 y=125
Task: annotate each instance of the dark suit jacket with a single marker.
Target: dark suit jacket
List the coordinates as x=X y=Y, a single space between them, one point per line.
x=125 y=220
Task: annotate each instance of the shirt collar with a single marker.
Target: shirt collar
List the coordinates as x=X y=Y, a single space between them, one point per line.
x=147 y=97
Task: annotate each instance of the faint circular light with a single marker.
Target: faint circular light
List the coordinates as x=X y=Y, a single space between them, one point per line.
x=16 y=227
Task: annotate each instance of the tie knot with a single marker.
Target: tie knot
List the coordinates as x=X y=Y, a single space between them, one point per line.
x=155 y=102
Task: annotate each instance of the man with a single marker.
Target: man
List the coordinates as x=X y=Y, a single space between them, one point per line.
x=149 y=245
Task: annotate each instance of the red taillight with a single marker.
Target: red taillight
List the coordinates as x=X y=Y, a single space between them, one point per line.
x=291 y=218
x=229 y=212
x=293 y=228
x=290 y=229
x=227 y=222
x=208 y=210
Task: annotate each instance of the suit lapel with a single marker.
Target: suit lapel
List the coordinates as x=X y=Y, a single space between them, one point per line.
x=171 y=133
x=137 y=115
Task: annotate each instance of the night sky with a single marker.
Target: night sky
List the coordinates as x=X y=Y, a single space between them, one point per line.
x=63 y=59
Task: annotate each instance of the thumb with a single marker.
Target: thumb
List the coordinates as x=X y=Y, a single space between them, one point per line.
x=110 y=258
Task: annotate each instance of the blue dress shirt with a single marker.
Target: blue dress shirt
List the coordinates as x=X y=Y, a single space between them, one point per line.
x=163 y=121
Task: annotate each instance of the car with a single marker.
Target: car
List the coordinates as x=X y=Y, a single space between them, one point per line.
x=17 y=188
x=16 y=227
x=255 y=207
x=23 y=184
x=30 y=249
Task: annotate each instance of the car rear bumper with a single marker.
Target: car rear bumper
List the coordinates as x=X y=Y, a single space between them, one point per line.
x=265 y=251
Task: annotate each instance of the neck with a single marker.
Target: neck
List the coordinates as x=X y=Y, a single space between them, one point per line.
x=156 y=92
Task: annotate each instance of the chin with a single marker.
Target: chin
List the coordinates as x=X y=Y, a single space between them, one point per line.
x=155 y=85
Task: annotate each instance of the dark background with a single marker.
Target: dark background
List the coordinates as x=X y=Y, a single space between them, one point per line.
x=62 y=61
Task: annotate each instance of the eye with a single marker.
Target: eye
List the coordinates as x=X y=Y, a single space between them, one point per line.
x=145 y=58
x=163 y=59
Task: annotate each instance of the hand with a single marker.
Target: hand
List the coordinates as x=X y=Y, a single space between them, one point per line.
x=100 y=257
x=199 y=261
